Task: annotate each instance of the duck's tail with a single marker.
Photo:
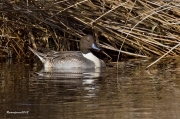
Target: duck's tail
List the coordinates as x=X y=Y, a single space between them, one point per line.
x=40 y=55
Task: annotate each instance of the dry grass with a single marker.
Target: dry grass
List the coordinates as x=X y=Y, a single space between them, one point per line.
x=139 y=28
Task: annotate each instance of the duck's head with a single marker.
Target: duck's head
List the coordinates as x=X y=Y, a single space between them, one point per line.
x=87 y=43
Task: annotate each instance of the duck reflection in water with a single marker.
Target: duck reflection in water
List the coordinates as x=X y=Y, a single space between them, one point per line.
x=72 y=73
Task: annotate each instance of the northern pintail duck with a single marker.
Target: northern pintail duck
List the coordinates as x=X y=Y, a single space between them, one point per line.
x=72 y=59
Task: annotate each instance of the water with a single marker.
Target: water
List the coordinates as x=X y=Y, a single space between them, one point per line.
x=129 y=93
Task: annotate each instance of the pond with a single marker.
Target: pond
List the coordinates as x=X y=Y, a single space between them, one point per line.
x=131 y=92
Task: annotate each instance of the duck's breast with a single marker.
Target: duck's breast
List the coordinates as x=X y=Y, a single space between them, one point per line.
x=97 y=62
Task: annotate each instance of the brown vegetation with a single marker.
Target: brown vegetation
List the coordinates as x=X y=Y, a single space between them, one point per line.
x=138 y=28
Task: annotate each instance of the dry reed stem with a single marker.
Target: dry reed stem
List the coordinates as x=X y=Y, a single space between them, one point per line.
x=140 y=28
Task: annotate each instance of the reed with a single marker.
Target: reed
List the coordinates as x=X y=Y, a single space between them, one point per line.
x=137 y=28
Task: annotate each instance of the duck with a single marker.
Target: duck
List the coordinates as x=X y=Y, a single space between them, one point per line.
x=83 y=59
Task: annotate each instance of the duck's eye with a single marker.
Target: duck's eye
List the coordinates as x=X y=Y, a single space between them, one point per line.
x=88 y=40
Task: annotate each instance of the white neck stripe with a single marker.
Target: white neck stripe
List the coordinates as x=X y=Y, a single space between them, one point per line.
x=93 y=58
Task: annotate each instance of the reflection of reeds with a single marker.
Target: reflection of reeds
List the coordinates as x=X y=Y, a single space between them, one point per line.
x=143 y=28
x=13 y=82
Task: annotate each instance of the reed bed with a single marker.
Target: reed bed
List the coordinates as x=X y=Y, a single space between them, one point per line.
x=137 y=28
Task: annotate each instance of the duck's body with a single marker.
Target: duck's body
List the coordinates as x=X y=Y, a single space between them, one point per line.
x=72 y=59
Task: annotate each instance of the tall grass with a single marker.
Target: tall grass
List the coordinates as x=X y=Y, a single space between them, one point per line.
x=138 y=28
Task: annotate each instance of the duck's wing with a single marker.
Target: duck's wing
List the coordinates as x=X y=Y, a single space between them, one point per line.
x=52 y=55
x=66 y=56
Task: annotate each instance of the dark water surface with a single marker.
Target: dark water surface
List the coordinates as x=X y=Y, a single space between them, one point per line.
x=130 y=93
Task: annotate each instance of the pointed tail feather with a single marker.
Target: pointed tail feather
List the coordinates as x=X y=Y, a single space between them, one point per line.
x=40 y=55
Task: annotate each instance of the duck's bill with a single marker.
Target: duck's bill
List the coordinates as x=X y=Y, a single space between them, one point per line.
x=95 y=47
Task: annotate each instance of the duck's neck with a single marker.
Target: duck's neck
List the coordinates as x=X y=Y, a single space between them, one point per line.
x=93 y=58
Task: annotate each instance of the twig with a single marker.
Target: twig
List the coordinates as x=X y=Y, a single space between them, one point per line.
x=163 y=55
